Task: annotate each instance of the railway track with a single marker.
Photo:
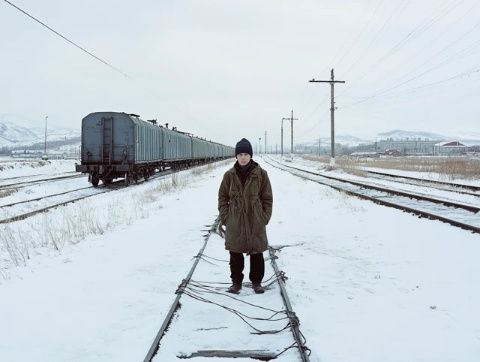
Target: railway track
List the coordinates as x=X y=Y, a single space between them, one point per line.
x=433 y=182
x=33 y=182
x=459 y=188
x=25 y=176
x=24 y=215
x=4 y=206
x=211 y=323
x=27 y=211
x=439 y=185
x=465 y=216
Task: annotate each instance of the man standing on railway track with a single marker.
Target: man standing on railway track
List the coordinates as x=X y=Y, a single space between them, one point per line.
x=245 y=205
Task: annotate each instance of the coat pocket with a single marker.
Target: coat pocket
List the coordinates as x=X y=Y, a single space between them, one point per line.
x=260 y=217
x=232 y=218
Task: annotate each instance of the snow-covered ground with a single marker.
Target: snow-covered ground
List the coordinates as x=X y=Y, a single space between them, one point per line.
x=441 y=193
x=15 y=167
x=428 y=176
x=369 y=283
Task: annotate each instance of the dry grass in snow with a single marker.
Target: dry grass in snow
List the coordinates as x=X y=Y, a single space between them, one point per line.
x=20 y=241
x=446 y=167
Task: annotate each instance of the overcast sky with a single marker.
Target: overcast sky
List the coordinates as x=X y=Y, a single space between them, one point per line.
x=230 y=69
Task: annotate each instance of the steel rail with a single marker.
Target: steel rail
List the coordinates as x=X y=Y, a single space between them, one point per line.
x=20 y=160
x=159 y=174
x=39 y=181
x=163 y=173
x=35 y=175
x=424 y=183
x=43 y=197
x=176 y=303
x=453 y=184
x=286 y=301
x=391 y=204
x=44 y=209
x=458 y=205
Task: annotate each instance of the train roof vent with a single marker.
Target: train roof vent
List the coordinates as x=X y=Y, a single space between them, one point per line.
x=134 y=115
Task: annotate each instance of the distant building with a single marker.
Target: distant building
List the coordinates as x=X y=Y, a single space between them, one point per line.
x=475 y=149
x=450 y=148
x=393 y=152
x=365 y=154
x=26 y=153
x=407 y=146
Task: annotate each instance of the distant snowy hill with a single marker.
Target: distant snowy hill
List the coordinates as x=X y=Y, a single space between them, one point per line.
x=12 y=134
x=467 y=138
x=352 y=141
x=403 y=135
x=348 y=140
x=345 y=140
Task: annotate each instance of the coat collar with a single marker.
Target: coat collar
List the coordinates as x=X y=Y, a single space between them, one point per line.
x=254 y=172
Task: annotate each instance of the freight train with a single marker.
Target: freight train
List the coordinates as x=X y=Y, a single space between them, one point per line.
x=121 y=145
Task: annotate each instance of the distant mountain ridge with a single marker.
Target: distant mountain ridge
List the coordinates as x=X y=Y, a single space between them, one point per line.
x=466 y=138
x=397 y=135
x=403 y=135
x=15 y=135
x=11 y=133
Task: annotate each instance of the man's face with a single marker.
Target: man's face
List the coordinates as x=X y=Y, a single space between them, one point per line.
x=243 y=159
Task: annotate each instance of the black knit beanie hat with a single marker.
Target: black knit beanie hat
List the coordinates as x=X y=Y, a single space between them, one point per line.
x=243 y=146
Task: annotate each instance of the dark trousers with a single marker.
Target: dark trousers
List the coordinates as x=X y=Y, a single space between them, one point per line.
x=237 y=263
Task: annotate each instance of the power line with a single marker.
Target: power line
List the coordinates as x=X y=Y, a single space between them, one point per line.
x=421 y=50
x=66 y=39
x=464 y=74
x=436 y=55
x=362 y=53
x=411 y=90
x=396 y=12
x=151 y=91
x=423 y=73
x=419 y=30
x=355 y=41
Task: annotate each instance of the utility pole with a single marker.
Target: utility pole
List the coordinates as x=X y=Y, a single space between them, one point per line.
x=45 y=151
x=259 y=145
x=291 y=131
x=332 y=82
x=265 y=142
x=281 y=139
x=291 y=119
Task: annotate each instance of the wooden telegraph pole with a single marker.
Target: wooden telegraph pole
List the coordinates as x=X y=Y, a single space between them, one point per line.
x=291 y=132
x=332 y=82
x=265 y=142
x=291 y=119
x=281 y=137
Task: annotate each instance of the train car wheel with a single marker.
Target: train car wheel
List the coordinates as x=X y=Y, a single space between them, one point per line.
x=95 y=181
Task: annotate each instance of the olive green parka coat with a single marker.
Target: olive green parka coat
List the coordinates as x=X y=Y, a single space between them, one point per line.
x=245 y=210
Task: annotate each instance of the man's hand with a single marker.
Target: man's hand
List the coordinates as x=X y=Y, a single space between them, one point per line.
x=221 y=231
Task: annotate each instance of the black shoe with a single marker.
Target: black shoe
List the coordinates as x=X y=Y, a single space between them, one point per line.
x=235 y=288
x=257 y=288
